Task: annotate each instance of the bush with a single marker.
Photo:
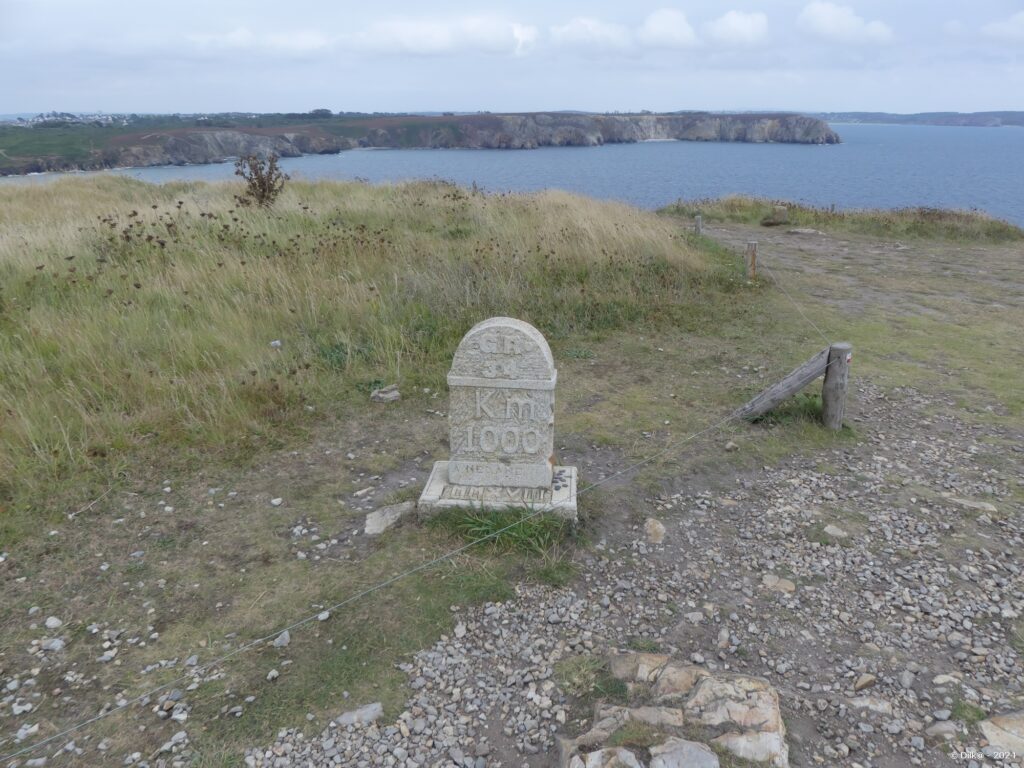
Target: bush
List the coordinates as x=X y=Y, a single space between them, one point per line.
x=264 y=181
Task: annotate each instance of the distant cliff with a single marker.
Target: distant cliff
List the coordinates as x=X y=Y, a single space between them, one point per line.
x=959 y=119
x=529 y=131
x=201 y=144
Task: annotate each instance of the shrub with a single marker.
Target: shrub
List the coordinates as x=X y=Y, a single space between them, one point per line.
x=264 y=181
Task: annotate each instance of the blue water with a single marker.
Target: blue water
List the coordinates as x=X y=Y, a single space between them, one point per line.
x=883 y=166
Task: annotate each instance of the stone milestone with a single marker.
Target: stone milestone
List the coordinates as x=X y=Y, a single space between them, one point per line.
x=502 y=427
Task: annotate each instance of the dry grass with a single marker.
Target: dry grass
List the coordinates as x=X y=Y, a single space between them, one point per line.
x=137 y=320
x=936 y=223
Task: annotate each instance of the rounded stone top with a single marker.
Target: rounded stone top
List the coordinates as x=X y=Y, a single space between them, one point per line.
x=500 y=351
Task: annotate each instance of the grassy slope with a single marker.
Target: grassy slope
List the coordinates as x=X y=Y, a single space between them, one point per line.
x=138 y=320
x=964 y=226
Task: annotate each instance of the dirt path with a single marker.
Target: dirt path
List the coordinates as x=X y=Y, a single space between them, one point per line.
x=861 y=273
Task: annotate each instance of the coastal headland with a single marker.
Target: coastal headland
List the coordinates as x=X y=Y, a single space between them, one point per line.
x=62 y=144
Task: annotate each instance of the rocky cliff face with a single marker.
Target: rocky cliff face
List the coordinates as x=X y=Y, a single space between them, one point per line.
x=485 y=131
x=198 y=147
x=540 y=130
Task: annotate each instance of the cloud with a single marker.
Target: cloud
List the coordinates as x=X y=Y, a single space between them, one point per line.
x=1010 y=30
x=738 y=28
x=586 y=32
x=429 y=36
x=840 y=24
x=666 y=28
x=244 y=39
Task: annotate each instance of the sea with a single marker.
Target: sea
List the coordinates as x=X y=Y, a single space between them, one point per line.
x=876 y=166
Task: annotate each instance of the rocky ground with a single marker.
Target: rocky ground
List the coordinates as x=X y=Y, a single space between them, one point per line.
x=880 y=597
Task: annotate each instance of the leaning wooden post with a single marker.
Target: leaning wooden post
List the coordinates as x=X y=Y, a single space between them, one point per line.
x=833 y=391
x=752 y=260
x=698 y=225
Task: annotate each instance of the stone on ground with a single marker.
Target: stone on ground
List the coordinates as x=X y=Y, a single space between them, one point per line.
x=680 y=753
x=864 y=681
x=388 y=394
x=743 y=713
x=362 y=716
x=1005 y=731
x=637 y=667
x=677 y=680
x=980 y=506
x=835 y=532
x=654 y=530
x=778 y=584
x=381 y=519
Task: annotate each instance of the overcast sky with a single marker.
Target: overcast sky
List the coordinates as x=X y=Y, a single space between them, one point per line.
x=240 y=55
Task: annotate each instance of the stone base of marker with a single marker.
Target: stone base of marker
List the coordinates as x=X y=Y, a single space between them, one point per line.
x=559 y=499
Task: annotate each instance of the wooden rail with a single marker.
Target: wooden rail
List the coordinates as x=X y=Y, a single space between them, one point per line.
x=833 y=363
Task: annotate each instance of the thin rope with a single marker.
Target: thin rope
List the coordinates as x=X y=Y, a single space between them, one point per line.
x=795 y=304
x=91 y=504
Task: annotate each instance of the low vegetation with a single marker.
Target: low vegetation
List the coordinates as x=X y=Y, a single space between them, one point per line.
x=968 y=226
x=967 y=712
x=644 y=645
x=589 y=679
x=637 y=735
x=264 y=180
x=509 y=531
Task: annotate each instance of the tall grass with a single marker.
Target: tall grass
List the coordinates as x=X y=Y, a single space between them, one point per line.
x=937 y=223
x=137 y=321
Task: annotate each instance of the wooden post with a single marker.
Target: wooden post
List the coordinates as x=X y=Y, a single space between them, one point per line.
x=833 y=391
x=797 y=379
x=752 y=260
x=698 y=225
